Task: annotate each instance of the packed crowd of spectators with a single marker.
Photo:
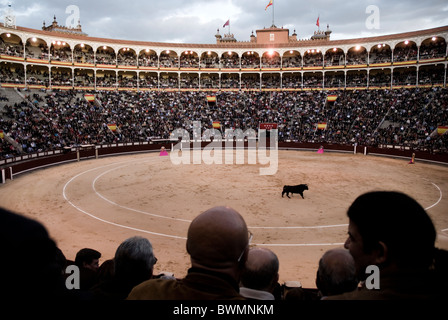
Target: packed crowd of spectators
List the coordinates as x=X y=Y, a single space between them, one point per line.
x=15 y=74
x=357 y=56
x=61 y=53
x=80 y=56
x=406 y=53
x=11 y=49
x=53 y=120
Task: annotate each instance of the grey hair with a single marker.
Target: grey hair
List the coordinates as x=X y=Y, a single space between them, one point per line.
x=339 y=276
x=136 y=249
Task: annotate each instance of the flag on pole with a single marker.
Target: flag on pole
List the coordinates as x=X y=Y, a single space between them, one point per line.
x=322 y=126
x=211 y=99
x=332 y=97
x=442 y=130
x=89 y=97
x=269 y=4
x=216 y=124
x=317 y=22
x=112 y=127
x=226 y=24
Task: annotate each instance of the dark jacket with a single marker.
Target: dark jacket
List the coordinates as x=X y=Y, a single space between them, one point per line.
x=199 y=284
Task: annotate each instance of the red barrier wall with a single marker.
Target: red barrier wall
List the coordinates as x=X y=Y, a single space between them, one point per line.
x=21 y=165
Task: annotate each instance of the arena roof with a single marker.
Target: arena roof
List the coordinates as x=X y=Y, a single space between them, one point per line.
x=245 y=45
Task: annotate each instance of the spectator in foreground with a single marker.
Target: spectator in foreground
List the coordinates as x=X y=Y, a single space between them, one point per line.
x=393 y=232
x=133 y=263
x=218 y=244
x=336 y=273
x=87 y=261
x=31 y=268
x=259 y=279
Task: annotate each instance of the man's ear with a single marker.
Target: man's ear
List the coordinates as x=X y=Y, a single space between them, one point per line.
x=381 y=253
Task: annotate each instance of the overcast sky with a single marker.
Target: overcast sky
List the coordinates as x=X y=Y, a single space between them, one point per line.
x=197 y=21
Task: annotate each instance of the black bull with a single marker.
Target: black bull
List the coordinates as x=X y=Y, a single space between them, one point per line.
x=294 y=189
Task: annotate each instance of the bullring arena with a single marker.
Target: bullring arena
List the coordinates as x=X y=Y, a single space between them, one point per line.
x=62 y=91
x=98 y=203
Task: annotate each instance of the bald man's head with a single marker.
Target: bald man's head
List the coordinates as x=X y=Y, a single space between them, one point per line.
x=216 y=238
x=261 y=270
x=260 y=257
x=337 y=272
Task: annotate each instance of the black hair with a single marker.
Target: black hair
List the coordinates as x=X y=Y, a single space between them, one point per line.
x=86 y=255
x=398 y=221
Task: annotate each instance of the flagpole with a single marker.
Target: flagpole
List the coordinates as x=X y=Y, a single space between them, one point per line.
x=273 y=4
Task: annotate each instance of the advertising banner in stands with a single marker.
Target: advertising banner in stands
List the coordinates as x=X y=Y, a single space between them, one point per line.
x=268 y=126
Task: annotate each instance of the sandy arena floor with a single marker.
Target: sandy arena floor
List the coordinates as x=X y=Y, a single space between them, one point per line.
x=99 y=203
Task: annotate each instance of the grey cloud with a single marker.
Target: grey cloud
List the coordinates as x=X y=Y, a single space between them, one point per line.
x=149 y=20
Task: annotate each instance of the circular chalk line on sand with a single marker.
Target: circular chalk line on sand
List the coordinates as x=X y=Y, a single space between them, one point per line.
x=64 y=193
x=128 y=208
x=435 y=204
x=127 y=163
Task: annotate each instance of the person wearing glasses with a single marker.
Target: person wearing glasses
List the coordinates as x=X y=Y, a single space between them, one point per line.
x=218 y=244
